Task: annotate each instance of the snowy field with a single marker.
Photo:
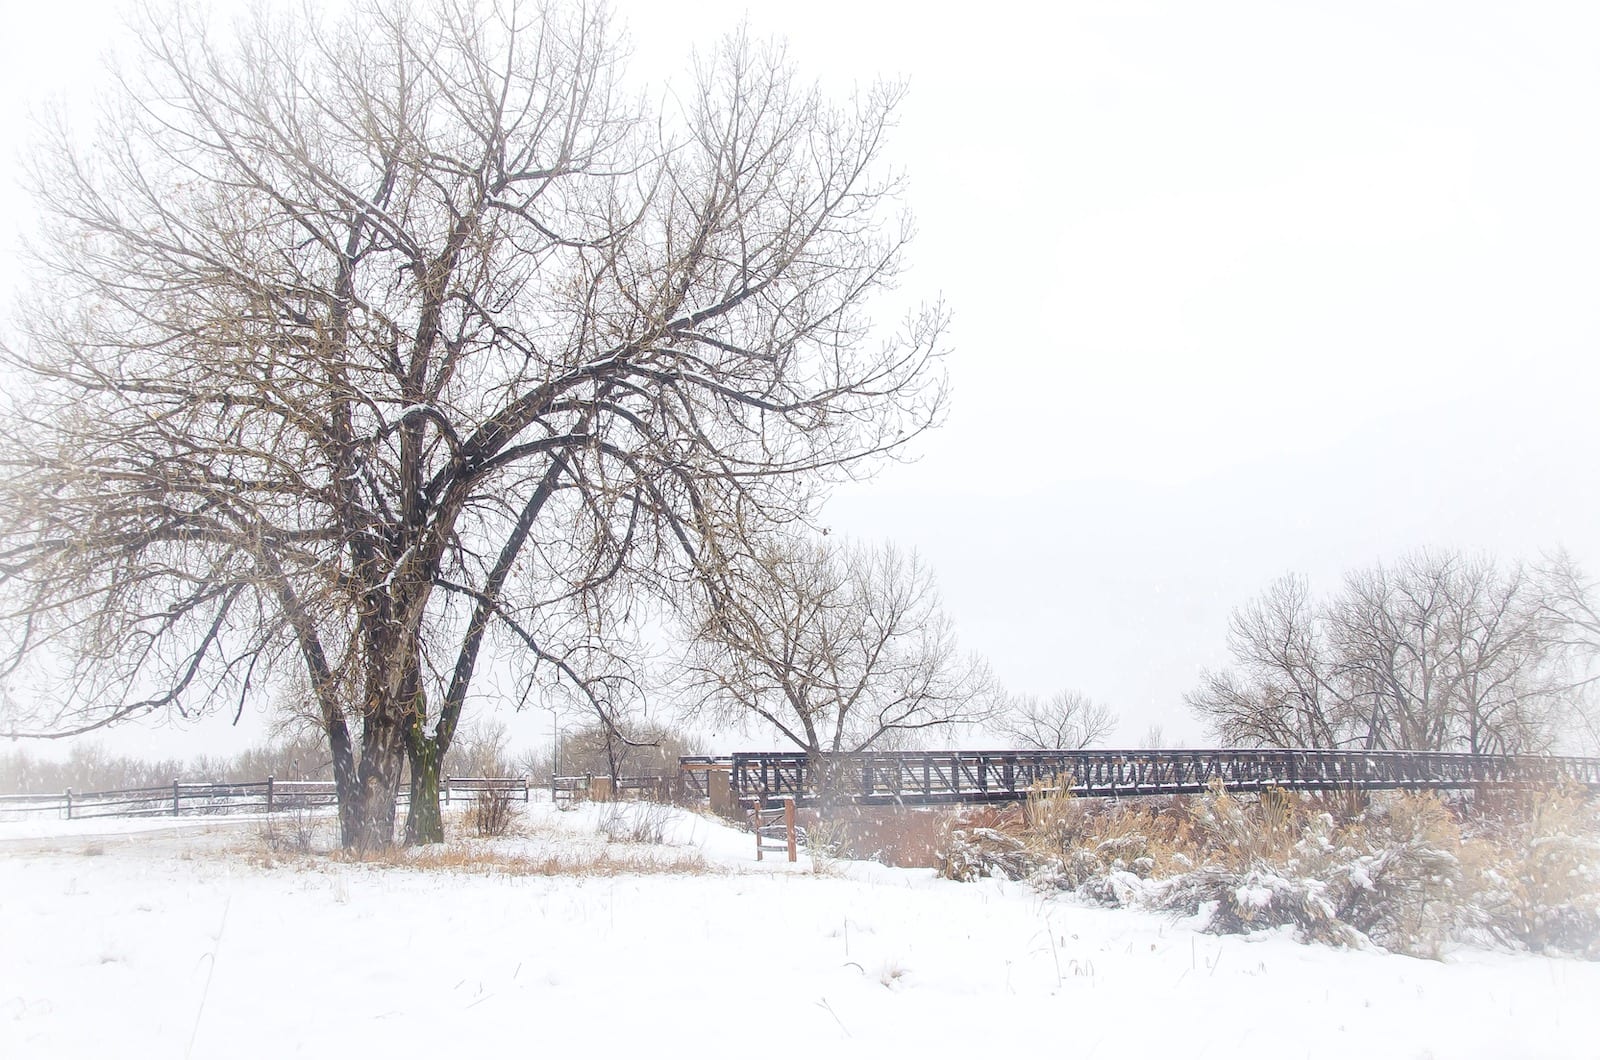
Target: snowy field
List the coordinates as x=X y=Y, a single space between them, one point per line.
x=190 y=938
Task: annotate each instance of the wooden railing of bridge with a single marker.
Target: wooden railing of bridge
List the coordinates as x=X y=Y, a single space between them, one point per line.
x=933 y=777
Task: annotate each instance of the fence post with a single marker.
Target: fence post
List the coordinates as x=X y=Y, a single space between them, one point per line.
x=526 y=785
x=69 y=804
x=174 y=798
x=269 y=794
x=788 y=824
x=447 y=790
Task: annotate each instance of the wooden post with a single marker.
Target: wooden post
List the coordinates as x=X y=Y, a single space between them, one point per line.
x=447 y=791
x=69 y=804
x=756 y=814
x=526 y=792
x=174 y=798
x=269 y=794
x=788 y=825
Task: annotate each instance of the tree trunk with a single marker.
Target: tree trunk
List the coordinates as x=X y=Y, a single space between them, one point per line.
x=373 y=825
x=424 y=823
x=345 y=786
x=383 y=753
x=828 y=771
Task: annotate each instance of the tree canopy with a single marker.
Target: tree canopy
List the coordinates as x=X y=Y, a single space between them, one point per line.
x=358 y=344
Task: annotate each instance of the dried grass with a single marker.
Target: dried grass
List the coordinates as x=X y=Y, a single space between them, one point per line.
x=502 y=857
x=1408 y=872
x=469 y=858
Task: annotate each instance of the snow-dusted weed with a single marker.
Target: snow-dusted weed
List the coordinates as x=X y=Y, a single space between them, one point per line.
x=825 y=842
x=291 y=831
x=635 y=822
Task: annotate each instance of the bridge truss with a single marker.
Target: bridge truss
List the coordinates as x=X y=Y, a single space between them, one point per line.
x=935 y=777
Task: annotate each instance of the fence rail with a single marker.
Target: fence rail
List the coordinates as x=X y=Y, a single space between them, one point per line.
x=190 y=798
x=932 y=777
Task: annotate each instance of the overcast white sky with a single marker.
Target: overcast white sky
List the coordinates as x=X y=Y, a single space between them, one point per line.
x=1239 y=289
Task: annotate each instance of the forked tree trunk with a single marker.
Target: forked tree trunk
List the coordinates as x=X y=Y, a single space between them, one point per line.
x=370 y=826
x=373 y=824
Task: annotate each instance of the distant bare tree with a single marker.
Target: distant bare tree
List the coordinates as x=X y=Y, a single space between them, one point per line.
x=381 y=347
x=1280 y=693
x=835 y=646
x=1573 y=600
x=1438 y=652
x=481 y=749
x=1068 y=720
x=652 y=749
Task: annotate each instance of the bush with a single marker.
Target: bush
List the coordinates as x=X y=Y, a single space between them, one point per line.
x=291 y=830
x=1410 y=874
x=492 y=813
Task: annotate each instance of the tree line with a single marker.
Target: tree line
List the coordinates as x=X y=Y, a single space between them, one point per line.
x=1439 y=651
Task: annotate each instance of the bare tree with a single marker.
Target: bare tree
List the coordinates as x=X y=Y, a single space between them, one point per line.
x=383 y=347
x=834 y=646
x=652 y=749
x=1572 y=600
x=1438 y=652
x=1280 y=693
x=1154 y=738
x=1068 y=720
x=481 y=749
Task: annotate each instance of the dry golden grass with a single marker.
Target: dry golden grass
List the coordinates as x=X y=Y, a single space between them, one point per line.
x=1407 y=870
x=1535 y=870
x=476 y=859
x=526 y=852
x=479 y=859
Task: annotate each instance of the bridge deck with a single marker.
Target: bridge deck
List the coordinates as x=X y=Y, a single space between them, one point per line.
x=934 y=777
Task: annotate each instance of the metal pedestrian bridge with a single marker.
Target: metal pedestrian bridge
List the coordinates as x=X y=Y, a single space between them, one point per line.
x=935 y=777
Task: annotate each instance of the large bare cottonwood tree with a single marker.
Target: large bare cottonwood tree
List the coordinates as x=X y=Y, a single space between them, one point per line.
x=371 y=347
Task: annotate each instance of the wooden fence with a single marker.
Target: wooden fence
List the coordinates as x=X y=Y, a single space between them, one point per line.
x=219 y=798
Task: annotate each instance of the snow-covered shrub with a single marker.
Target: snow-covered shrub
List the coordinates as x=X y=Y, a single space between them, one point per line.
x=1399 y=881
x=1534 y=873
x=1235 y=902
x=1399 y=873
x=973 y=853
x=1115 y=888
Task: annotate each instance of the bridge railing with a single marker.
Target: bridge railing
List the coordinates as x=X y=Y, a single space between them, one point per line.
x=976 y=776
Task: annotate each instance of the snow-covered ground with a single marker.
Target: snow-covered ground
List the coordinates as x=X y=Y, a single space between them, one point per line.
x=191 y=939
